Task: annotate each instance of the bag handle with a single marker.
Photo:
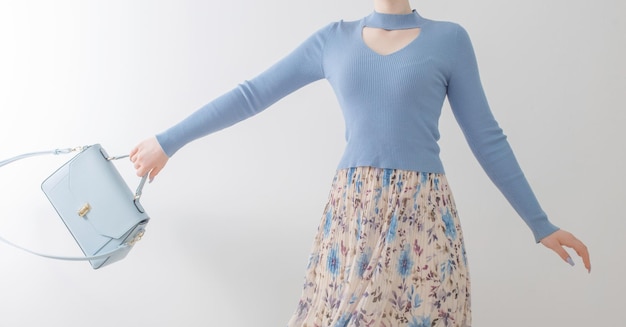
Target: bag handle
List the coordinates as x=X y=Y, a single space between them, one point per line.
x=136 y=198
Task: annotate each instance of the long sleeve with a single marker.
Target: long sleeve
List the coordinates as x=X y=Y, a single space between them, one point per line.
x=487 y=140
x=299 y=68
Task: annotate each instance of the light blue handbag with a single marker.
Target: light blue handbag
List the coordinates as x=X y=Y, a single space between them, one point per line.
x=98 y=208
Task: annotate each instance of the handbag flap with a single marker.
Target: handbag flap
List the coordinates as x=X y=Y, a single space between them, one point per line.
x=89 y=190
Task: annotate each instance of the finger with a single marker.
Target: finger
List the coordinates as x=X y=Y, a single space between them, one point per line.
x=141 y=171
x=135 y=156
x=154 y=172
x=133 y=151
x=586 y=260
x=562 y=253
x=580 y=249
x=583 y=252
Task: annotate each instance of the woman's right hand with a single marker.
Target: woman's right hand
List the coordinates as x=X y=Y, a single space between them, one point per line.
x=148 y=157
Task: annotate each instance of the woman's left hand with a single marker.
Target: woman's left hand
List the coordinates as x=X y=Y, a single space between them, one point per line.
x=557 y=240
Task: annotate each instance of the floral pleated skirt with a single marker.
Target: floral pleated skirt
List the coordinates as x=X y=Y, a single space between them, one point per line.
x=389 y=252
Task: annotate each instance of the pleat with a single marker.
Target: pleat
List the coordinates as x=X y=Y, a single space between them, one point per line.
x=388 y=252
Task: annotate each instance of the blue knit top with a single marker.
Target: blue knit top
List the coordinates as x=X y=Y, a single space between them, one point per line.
x=391 y=103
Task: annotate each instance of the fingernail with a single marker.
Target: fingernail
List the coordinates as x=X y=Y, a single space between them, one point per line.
x=570 y=261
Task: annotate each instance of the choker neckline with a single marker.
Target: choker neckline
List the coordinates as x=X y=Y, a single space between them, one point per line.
x=393 y=21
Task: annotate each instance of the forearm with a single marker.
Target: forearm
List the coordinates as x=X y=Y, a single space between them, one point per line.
x=301 y=67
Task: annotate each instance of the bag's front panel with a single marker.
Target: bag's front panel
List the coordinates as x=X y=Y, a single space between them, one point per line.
x=98 y=263
x=67 y=205
x=96 y=181
x=94 y=202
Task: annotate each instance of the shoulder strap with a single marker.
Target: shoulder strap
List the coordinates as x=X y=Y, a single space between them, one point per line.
x=67 y=151
x=99 y=256
x=32 y=154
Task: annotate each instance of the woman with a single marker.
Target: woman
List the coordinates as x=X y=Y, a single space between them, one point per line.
x=389 y=250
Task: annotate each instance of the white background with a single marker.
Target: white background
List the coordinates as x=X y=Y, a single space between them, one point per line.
x=234 y=214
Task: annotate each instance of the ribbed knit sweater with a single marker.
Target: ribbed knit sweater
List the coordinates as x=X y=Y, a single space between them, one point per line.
x=391 y=103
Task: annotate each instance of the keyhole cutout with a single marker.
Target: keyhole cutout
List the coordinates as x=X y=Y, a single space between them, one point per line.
x=385 y=42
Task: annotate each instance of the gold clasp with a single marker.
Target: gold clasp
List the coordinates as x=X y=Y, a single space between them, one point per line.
x=84 y=210
x=137 y=238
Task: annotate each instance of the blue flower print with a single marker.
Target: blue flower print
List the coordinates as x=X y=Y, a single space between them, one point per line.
x=447 y=268
x=420 y=322
x=387 y=177
x=332 y=262
x=399 y=183
x=350 y=174
x=379 y=193
x=423 y=179
x=313 y=259
x=358 y=184
x=405 y=263
x=388 y=255
x=417 y=301
x=393 y=228
x=328 y=223
x=343 y=321
x=364 y=261
x=449 y=222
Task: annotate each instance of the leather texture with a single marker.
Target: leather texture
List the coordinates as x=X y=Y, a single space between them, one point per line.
x=113 y=220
